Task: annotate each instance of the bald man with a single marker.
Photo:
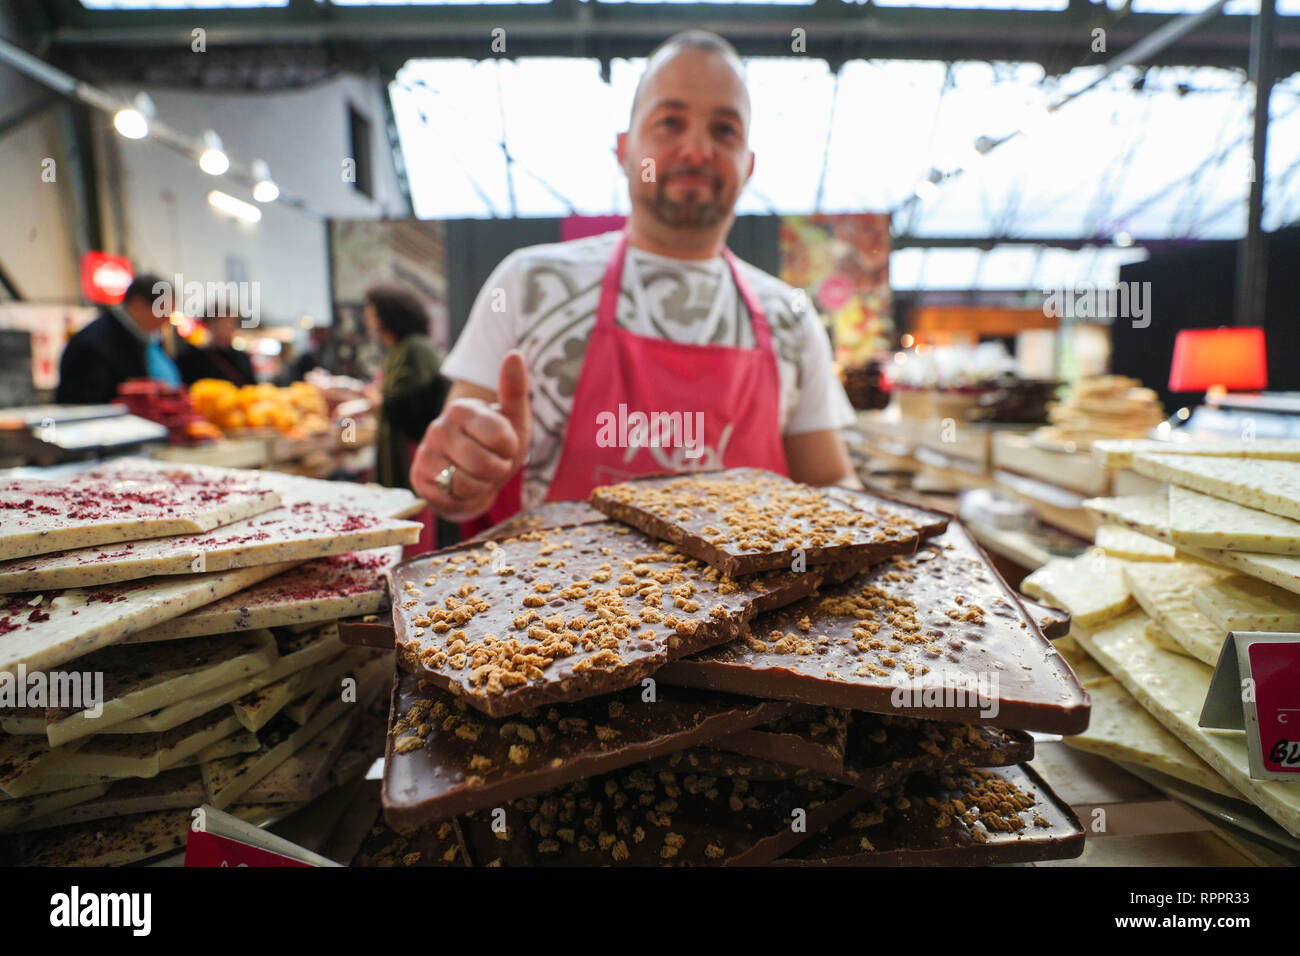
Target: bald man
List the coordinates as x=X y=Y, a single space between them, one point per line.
x=645 y=351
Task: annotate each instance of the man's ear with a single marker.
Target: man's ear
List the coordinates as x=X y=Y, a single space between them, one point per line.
x=620 y=148
x=750 y=175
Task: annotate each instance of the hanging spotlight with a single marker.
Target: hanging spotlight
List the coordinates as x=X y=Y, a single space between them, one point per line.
x=213 y=160
x=133 y=121
x=264 y=187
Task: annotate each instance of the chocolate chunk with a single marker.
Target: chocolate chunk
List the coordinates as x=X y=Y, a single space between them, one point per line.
x=972 y=818
x=937 y=635
x=359 y=632
x=444 y=758
x=564 y=614
x=1051 y=621
x=744 y=520
x=635 y=817
x=438 y=844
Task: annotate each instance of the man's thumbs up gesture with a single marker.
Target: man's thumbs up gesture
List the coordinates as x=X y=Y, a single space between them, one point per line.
x=485 y=444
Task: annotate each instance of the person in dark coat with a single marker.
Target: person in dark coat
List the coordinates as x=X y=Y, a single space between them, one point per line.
x=219 y=358
x=124 y=342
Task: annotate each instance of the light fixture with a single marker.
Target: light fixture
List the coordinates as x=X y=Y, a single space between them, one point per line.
x=307 y=322
x=1123 y=240
x=133 y=121
x=213 y=160
x=234 y=207
x=264 y=187
x=1219 y=360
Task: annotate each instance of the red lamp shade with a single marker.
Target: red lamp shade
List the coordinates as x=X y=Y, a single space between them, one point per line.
x=1231 y=358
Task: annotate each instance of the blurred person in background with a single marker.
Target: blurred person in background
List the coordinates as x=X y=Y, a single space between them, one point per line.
x=316 y=355
x=398 y=320
x=219 y=358
x=123 y=342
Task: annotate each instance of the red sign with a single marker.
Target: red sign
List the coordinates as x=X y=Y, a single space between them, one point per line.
x=207 y=849
x=104 y=278
x=1275 y=666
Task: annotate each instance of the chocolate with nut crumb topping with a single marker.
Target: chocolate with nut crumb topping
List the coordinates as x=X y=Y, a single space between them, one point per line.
x=884 y=641
x=970 y=818
x=564 y=614
x=445 y=758
x=744 y=520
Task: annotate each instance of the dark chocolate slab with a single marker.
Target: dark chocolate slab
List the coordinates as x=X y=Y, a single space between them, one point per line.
x=635 y=817
x=812 y=739
x=972 y=818
x=438 y=844
x=744 y=520
x=565 y=614
x=882 y=642
x=444 y=758
x=882 y=750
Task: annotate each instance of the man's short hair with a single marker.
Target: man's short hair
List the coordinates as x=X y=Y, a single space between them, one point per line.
x=142 y=287
x=695 y=39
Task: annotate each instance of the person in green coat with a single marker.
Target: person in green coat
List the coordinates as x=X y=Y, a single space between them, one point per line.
x=398 y=319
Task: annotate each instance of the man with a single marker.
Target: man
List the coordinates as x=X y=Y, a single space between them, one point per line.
x=568 y=342
x=124 y=342
x=219 y=358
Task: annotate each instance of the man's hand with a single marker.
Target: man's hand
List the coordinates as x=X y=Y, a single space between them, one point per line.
x=485 y=436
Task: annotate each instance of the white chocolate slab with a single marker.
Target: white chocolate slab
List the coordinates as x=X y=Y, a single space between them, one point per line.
x=1166 y=591
x=15 y=813
x=306 y=774
x=297 y=652
x=180 y=788
x=1172 y=689
x=1263 y=484
x=345 y=585
x=1202 y=521
x=123 y=503
x=1129 y=545
x=1091 y=587
x=1121 y=730
x=69 y=624
x=256 y=709
x=1118 y=453
x=301 y=533
x=229 y=779
x=25 y=760
x=140 y=680
x=147 y=755
x=1241 y=603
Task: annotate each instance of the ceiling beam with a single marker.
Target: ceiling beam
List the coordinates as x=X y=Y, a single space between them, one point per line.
x=145 y=45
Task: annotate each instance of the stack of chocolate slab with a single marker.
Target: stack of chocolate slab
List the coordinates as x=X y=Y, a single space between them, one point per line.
x=1216 y=550
x=723 y=668
x=169 y=637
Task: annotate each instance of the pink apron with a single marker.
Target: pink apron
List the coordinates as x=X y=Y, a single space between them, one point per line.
x=635 y=393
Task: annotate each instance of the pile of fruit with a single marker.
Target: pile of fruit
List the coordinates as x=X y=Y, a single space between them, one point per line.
x=295 y=411
x=169 y=406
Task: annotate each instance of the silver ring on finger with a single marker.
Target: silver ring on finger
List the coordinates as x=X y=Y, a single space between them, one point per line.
x=444 y=479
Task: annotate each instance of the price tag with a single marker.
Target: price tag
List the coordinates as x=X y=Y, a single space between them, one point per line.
x=1256 y=689
x=204 y=848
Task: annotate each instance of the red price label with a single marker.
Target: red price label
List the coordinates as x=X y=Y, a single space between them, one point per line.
x=208 y=849
x=1275 y=667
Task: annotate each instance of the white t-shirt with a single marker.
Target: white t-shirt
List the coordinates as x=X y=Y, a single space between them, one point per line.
x=542 y=300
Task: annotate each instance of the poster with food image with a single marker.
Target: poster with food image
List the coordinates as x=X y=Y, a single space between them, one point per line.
x=842 y=262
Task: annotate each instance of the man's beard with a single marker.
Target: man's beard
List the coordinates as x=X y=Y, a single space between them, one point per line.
x=690 y=213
